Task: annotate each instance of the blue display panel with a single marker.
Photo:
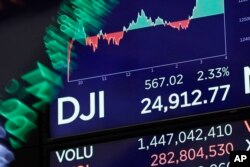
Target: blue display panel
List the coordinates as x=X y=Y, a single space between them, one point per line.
x=208 y=146
x=156 y=60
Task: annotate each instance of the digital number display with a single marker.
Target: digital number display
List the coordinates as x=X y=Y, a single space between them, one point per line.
x=208 y=146
x=156 y=60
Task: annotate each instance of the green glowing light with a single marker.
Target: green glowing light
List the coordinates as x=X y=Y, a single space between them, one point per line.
x=15 y=143
x=76 y=19
x=13 y=107
x=20 y=127
x=206 y=8
x=12 y=87
x=55 y=46
x=53 y=34
x=20 y=120
x=44 y=85
x=41 y=74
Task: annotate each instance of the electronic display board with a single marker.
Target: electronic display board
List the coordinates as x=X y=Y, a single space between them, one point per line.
x=207 y=146
x=155 y=60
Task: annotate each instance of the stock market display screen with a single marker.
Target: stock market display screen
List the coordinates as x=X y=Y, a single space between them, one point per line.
x=207 y=146
x=158 y=60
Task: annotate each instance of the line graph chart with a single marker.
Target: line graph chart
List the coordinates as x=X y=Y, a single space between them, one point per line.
x=148 y=43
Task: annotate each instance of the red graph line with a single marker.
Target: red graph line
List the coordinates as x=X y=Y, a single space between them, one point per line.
x=184 y=24
x=116 y=37
x=70 y=46
x=247 y=126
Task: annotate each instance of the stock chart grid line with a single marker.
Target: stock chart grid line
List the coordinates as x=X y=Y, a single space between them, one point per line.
x=180 y=27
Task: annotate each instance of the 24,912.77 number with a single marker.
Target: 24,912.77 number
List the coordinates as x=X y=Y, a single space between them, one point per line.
x=186 y=99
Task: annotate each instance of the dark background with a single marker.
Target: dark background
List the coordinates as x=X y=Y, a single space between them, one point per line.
x=21 y=36
x=22 y=27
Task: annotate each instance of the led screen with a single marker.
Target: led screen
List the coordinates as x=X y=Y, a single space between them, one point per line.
x=155 y=60
x=208 y=146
